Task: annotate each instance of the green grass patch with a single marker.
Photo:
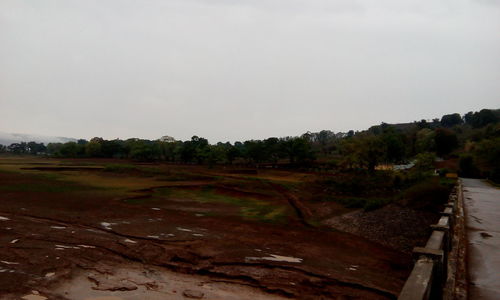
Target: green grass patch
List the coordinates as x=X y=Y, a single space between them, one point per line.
x=428 y=194
x=448 y=182
x=250 y=208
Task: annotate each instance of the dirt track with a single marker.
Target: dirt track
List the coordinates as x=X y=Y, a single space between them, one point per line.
x=52 y=242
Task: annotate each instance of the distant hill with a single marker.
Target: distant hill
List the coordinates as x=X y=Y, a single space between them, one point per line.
x=9 y=138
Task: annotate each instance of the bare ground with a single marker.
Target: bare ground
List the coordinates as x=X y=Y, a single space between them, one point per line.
x=88 y=243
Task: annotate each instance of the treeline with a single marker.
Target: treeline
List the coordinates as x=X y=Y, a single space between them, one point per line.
x=474 y=137
x=197 y=150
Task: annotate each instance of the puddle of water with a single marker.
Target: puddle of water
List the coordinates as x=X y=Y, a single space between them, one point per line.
x=4 y=218
x=153 y=236
x=353 y=268
x=14 y=241
x=86 y=246
x=197 y=234
x=107 y=225
x=183 y=229
x=155 y=219
x=9 y=262
x=129 y=241
x=57 y=227
x=274 y=257
x=50 y=274
x=66 y=247
x=155 y=208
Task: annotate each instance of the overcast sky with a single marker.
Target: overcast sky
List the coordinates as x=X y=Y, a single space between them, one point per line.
x=241 y=69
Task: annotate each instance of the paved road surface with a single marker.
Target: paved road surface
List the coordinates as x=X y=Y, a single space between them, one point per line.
x=482 y=208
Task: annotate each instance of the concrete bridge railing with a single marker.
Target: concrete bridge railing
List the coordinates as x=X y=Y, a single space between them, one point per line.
x=429 y=275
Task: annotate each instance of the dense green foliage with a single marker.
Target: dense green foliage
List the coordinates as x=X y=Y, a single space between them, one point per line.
x=475 y=137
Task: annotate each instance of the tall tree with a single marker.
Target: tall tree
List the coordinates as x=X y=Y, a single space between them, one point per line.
x=451 y=120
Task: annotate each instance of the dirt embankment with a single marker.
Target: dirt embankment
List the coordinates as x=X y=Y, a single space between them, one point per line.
x=394 y=226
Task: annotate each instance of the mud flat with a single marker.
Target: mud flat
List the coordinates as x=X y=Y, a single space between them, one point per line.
x=136 y=281
x=165 y=234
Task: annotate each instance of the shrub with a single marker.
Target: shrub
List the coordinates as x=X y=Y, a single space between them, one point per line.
x=467 y=167
x=361 y=183
x=443 y=172
x=427 y=195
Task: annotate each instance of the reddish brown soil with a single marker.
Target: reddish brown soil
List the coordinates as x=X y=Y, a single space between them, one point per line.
x=39 y=228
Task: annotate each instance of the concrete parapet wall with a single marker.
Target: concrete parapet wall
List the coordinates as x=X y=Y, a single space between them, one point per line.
x=430 y=274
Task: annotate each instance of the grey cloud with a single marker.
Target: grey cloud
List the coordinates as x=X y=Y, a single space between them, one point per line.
x=230 y=70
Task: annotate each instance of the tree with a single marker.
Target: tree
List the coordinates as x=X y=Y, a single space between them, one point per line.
x=422 y=124
x=445 y=141
x=232 y=153
x=488 y=156
x=481 y=118
x=394 y=143
x=169 y=150
x=325 y=138
x=451 y=120
x=425 y=161
x=18 y=148
x=93 y=148
x=194 y=150
x=425 y=140
x=365 y=151
x=298 y=150
x=272 y=150
x=216 y=153
x=53 y=149
x=69 y=149
x=371 y=151
x=254 y=151
x=35 y=148
x=113 y=148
